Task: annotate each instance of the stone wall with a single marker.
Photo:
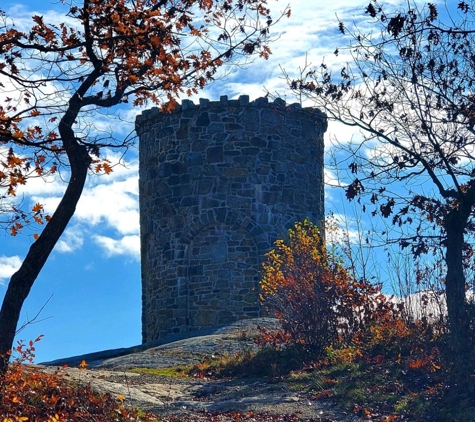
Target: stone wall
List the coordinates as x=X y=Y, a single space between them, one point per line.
x=219 y=183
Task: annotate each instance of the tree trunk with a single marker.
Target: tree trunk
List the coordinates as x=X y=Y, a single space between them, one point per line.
x=22 y=281
x=455 y=280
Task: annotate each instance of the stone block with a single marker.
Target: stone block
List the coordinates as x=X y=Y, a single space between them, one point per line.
x=261 y=101
x=186 y=104
x=279 y=103
x=193 y=159
x=215 y=154
x=206 y=318
x=243 y=99
x=215 y=128
x=204 y=103
x=203 y=120
x=178 y=167
x=232 y=127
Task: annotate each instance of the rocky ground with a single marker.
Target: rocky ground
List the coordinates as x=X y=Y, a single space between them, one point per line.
x=195 y=399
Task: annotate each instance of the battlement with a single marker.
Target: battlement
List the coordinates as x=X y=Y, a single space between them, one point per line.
x=224 y=102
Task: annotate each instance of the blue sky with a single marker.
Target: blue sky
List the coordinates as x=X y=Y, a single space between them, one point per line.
x=93 y=274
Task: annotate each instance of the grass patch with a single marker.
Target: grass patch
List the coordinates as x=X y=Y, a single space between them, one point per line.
x=369 y=389
x=266 y=362
x=180 y=371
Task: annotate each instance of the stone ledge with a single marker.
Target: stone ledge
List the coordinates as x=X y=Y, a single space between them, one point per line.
x=96 y=358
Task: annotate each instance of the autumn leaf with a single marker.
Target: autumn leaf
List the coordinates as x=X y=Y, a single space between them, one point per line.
x=37 y=208
x=107 y=168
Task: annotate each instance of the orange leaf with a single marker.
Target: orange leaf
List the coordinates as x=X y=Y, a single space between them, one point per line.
x=37 y=208
x=107 y=168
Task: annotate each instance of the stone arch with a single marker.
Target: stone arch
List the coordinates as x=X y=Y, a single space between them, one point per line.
x=222 y=277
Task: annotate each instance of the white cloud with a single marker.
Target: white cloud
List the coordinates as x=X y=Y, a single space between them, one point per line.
x=127 y=245
x=108 y=203
x=40 y=188
x=112 y=201
x=8 y=265
x=20 y=16
x=311 y=31
x=340 y=134
x=333 y=186
x=349 y=230
x=331 y=178
x=71 y=240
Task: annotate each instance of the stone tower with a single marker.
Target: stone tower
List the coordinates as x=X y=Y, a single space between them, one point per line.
x=219 y=183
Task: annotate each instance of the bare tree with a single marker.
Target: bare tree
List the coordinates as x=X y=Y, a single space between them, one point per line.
x=409 y=89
